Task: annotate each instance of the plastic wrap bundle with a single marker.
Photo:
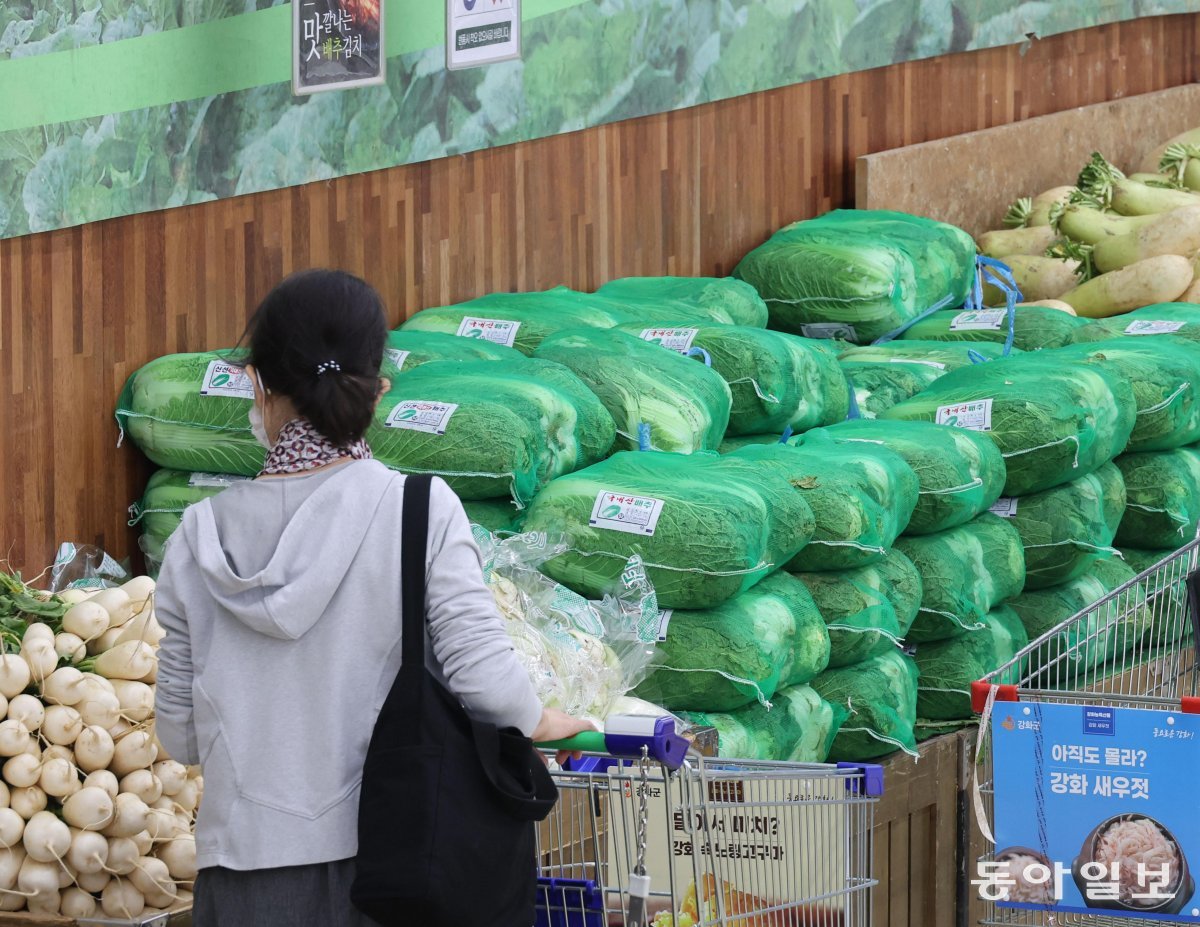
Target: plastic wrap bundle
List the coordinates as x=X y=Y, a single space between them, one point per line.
x=799 y=727
x=192 y=412
x=684 y=403
x=858 y=274
x=726 y=298
x=936 y=355
x=947 y=668
x=965 y=573
x=960 y=473
x=880 y=696
x=879 y=386
x=1165 y=374
x=520 y=320
x=767 y=638
x=1162 y=490
x=861 y=497
x=499 y=516
x=1053 y=421
x=708 y=527
x=168 y=493
x=1104 y=633
x=1179 y=319
x=777 y=380
x=1034 y=327
x=491 y=428
x=407 y=350
x=868 y=610
x=1066 y=529
x=581 y=655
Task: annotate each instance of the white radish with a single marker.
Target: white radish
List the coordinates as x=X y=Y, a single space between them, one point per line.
x=10 y=866
x=37 y=632
x=183 y=823
x=133 y=751
x=144 y=784
x=72 y=596
x=58 y=778
x=14 y=675
x=94 y=748
x=160 y=824
x=122 y=854
x=136 y=698
x=41 y=657
x=93 y=882
x=77 y=903
x=144 y=627
x=188 y=797
x=87 y=621
x=14 y=738
x=64 y=686
x=121 y=899
x=144 y=842
x=117 y=603
x=139 y=589
x=131 y=660
x=88 y=851
x=27 y=709
x=12 y=827
x=58 y=751
x=70 y=646
x=22 y=771
x=104 y=780
x=62 y=725
x=152 y=878
x=172 y=775
x=105 y=641
x=180 y=856
x=100 y=708
x=46 y=838
x=5 y=795
x=28 y=801
x=130 y=816
x=3 y=705
x=11 y=900
x=33 y=749
x=151 y=677
x=44 y=902
x=91 y=808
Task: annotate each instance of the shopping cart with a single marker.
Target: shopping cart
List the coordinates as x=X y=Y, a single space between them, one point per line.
x=1135 y=648
x=646 y=835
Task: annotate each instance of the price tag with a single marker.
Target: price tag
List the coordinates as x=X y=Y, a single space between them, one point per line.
x=213 y=480
x=978 y=320
x=673 y=339
x=397 y=357
x=497 y=331
x=1147 y=327
x=1005 y=507
x=222 y=379
x=617 y=511
x=974 y=416
x=421 y=415
x=840 y=330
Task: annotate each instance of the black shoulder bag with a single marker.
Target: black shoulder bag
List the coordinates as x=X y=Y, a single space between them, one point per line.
x=448 y=804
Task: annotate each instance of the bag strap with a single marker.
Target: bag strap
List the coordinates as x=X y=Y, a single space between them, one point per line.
x=414 y=543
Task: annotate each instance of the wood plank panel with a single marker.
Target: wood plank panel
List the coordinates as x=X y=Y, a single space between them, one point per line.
x=687 y=192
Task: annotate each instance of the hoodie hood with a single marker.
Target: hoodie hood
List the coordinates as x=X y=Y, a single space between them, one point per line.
x=309 y=559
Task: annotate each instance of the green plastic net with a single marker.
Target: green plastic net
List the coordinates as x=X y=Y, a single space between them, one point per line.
x=858 y=274
x=1034 y=327
x=729 y=300
x=947 y=668
x=708 y=527
x=407 y=350
x=491 y=428
x=1066 y=529
x=965 y=573
x=1162 y=490
x=1141 y=560
x=168 y=493
x=879 y=386
x=1179 y=319
x=1053 y=421
x=777 y=381
x=880 y=696
x=960 y=473
x=799 y=727
x=191 y=412
x=767 y=638
x=861 y=496
x=499 y=516
x=684 y=403
x=868 y=610
x=940 y=356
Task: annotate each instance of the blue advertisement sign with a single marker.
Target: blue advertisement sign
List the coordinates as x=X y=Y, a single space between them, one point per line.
x=1095 y=811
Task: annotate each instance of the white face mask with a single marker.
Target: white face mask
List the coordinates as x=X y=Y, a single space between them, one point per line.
x=257 y=427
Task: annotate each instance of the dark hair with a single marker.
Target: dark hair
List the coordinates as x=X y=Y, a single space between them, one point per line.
x=318 y=339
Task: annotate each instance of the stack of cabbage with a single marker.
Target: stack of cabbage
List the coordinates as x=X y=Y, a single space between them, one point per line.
x=160 y=510
x=1034 y=327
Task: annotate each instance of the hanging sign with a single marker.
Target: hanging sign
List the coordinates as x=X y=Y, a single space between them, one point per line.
x=336 y=44
x=482 y=32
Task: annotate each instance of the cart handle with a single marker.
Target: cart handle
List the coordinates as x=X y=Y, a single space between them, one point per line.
x=628 y=737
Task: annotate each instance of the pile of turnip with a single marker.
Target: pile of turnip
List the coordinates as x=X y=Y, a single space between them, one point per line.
x=95 y=818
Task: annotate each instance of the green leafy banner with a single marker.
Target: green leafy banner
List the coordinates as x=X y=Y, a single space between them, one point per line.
x=112 y=107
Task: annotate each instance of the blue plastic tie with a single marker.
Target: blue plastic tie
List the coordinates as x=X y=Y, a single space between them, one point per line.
x=854 y=411
x=786 y=436
x=999 y=275
x=975 y=357
x=643 y=436
x=700 y=352
x=941 y=304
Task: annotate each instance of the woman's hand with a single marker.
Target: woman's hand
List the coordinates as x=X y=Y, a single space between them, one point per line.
x=558 y=725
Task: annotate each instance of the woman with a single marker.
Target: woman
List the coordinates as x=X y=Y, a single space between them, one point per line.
x=280 y=600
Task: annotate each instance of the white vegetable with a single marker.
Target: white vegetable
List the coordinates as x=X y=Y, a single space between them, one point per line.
x=188 y=797
x=64 y=686
x=28 y=710
x=104 y=780
x=46 y=838
x=121 y=899
x=58 y=778
x=14 y=675
x=130 y=816
x=37 y=632
x=152 y=878
x=122 y=854
x=87 y=621
x=120 y=728
x=14 y=738
x=144 y=842
x=70 y=646
x=160 y=824
x=180 y=856
x=117 y=603
x=136 y=698
x=105 y=641
x=99 y=708
x=77 y=903
x=22 y=771
x=58 y=751
x=63 y=725
x=3 y=705
x=33 y=749
x=72 y=596
x=41 y=657
x=133 y=751
x=88 y=851
x=12 y=827
x=91 y=808
x=172 y=775
x=94 y=748
x=144 y=627
x=139 y=589
x=131 y=660
x=144 y=784
x=10 y=865
x=28 y=801
x=5 y=795
x=92 y=881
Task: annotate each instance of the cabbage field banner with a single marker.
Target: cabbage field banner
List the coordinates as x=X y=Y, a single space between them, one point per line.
x=112 y=107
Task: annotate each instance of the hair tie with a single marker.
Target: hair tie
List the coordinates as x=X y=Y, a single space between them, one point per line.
x=326 y=366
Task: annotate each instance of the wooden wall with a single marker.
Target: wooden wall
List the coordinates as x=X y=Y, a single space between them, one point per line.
x=681 y=193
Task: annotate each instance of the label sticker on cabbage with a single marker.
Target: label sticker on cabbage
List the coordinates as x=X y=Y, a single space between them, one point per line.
x=974 y=416
x=212 y=480
x=617 y=511
x=497 y=331
x=664 y=621
x=914 y=360
x=397 y=357
x=1146 y=327
x=222 y=379
x=673 y=339
x=1004 y=507
x=978 y=319
x=829 y=330
x=421 y=415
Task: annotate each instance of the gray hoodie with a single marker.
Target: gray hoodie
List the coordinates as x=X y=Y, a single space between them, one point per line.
x=280 y=599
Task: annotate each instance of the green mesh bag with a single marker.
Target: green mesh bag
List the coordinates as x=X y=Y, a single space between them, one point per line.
x=935 y=355
x=407 y=350
x=767 y=638
x=1103 y=634
x=1165 y=374
x=1162 y=490
x=728 y=300
x=799 y=727
x=684 y=403
x=160 y=510
x=490 y=428
x=861 y=497
x=965 y=573
x=858 y=274
x=868 y=610
x=520 y=320
x=1066 y=529
x=880 y=696
x=1141 y=560
x=947 y=668
x=1034 y=327
x=1179 y=319
x=960 y=473
x=777 y=381
x=879 y=386
x=191 y=412
x=499 y=516
x=707 y=527
x=1053 y=421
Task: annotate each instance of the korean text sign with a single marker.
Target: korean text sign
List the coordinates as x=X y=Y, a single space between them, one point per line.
x=337 y=44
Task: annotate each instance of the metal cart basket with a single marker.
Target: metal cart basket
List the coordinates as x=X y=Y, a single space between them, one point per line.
x=1135 y=648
